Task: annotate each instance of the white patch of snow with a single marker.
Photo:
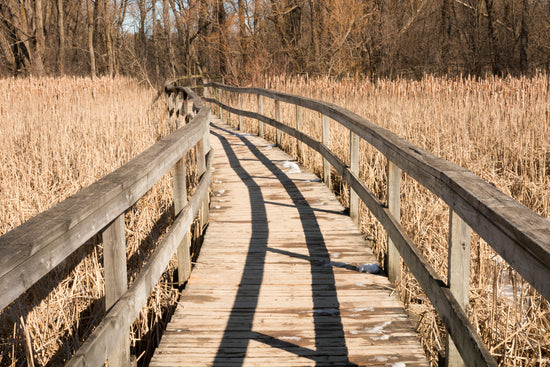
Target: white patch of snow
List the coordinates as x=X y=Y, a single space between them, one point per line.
x=221 y=191
x=292 y=167
x=381 y=337
x=398 y=364
x=380 y=359
x=369 y=268
x=378 y=329
x=217 y=207
x=363 y=309
x=360 y=284
x=335 y=255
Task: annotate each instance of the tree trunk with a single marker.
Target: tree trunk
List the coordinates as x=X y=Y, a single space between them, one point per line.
x=61 y=31
x=524 y=38
x=38 y=62
x=168 y=34
x=109 y=38
x=91 y=38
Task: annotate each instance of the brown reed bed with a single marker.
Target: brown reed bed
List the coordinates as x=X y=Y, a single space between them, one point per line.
x=496 y=127
x=59 y=135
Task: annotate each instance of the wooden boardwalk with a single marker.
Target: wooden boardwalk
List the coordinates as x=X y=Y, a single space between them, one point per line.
x=276 y=282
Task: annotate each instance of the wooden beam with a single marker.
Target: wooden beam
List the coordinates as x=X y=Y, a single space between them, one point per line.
x=326 y=142
x=354 y=167
x=260 y=112
x=116 y=283
x=458 y=275
x=240 y=95
x=278 y=133
x=394 y=207
x=299 y=127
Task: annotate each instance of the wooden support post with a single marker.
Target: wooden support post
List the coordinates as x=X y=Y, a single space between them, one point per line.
x=278 y=133
x=459 y=274
x=394 y=206
x=216 y=98
x=205 y=148
x=185 y=110
x=326 y=142
x=299 y=127
x=260 y=111
x=229 y=104
x=116 y=282
x=171 y=112
x=180 y=200
x=240 y=108
x=354 y=167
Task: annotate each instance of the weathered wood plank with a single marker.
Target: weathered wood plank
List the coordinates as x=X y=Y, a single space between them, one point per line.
x=269 y=287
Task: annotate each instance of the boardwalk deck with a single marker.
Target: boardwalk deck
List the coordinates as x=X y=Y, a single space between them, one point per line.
x=276 y=281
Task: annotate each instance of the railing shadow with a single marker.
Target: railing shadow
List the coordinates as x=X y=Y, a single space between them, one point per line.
x=323 y=282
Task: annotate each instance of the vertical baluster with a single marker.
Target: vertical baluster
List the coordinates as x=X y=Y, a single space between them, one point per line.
x=278 y=133
x=326 y=142
x=260 y=111
x=228 y=103
x=116 y=283
x=459 y=274
x=299 y=127
x=394 y=206
x=180 y=200
x=354 y=167
x=240 y=108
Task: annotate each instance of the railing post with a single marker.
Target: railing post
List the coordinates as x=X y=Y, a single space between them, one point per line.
x=278 y=133
x=185 y=110
x=299 y=127
x=216 y=98
x=326 y=142
x=171 y=111
x=116 y=283
x=202 y=148
x=458 y=274
x=180 y=200
x=240 y=108
x=354 y=167
x=394 y=206
x=229 y=104
x=260 y=111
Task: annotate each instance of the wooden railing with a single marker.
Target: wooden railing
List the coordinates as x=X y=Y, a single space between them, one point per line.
x=519 y=235
x=30 y=251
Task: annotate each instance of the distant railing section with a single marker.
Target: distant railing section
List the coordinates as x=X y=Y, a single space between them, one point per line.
x=519 y=235
x=30 y=251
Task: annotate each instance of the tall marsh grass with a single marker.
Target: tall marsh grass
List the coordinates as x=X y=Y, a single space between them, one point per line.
x=496 y=127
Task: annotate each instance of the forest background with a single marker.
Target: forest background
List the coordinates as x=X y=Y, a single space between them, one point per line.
x=244 y=39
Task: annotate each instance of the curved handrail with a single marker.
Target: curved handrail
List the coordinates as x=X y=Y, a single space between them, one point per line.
x=521 y=236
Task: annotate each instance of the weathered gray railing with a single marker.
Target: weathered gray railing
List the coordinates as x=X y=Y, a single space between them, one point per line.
x=518 y=234
x=30 y=251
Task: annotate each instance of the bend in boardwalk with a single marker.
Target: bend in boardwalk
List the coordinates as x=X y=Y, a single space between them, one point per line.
x=276 y=282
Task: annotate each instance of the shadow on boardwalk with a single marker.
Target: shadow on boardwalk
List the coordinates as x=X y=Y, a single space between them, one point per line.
x=250 y=284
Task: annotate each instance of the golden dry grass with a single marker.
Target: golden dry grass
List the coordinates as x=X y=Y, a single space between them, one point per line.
x=59 y=135
x=496 y=127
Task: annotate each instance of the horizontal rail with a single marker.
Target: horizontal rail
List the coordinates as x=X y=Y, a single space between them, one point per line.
x=98 y=347
x=515 y=232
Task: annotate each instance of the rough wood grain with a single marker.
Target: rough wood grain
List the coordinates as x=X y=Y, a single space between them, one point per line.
x=276 y=282
x=394 y=206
